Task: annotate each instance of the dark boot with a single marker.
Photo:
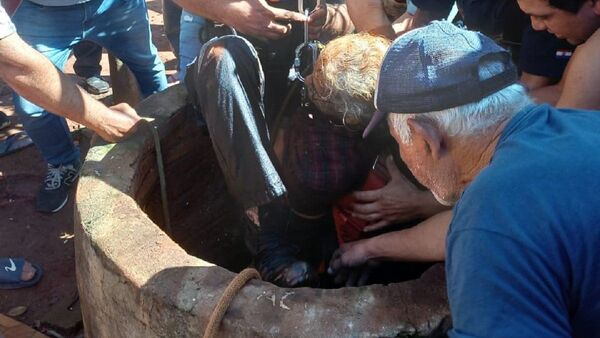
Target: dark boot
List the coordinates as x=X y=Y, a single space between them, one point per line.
x=289 y=247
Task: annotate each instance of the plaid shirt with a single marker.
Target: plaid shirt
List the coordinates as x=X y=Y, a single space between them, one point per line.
x=323 y=161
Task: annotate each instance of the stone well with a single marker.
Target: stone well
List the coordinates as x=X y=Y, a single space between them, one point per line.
x=136 y=281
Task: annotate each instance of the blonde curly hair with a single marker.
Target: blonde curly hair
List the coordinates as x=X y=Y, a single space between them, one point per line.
x=345 y=75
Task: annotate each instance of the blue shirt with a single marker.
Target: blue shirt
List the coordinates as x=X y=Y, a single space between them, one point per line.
x=524 y=244
x=6 y=26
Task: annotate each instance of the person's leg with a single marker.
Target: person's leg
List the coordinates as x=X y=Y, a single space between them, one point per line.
x=54 y=33
x=87 y=65
x=171 y=18
x=227 y=85
x=189 y=40
x=87 y=59
x=130 y=41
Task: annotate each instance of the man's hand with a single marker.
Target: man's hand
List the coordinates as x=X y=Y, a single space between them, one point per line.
x=119 y=122
x=350 y=264
x=316 y=21
x=398 y=201
x=258 y=19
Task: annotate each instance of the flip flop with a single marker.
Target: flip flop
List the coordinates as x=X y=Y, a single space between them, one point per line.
x=4 y=121
x=10 y=274
x=14 y=143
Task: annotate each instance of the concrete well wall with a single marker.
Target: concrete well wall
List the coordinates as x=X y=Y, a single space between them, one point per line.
x=135 y=281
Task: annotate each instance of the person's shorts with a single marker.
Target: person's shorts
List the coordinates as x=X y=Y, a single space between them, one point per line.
x=543 y=54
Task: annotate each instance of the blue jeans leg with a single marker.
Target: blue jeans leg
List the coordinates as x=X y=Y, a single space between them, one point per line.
x=129 y=40
x=52 y=35
x=189 y=40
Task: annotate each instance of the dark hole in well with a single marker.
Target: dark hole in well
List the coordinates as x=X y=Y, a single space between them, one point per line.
x=206 y=221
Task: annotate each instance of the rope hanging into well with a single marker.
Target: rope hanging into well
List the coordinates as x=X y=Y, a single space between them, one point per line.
x=236 y=284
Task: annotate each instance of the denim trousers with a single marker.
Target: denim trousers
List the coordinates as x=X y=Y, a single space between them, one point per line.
x=120 y=26
x=189 y=40
x=227 y=85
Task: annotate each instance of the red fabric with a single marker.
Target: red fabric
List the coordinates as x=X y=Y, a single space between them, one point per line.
x=350 y=228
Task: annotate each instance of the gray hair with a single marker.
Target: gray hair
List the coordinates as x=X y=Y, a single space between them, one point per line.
x=471 y=118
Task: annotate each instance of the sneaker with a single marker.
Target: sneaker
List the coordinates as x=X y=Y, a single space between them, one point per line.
x=95 y=85
x=54 y=194
x=4 y=121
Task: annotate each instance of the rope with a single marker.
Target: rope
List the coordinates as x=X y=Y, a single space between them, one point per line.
x=236 y=284
x=161 y=176
x=162 y=179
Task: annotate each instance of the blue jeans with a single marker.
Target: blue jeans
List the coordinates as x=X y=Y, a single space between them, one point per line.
x=120 y=26
x=189 y=40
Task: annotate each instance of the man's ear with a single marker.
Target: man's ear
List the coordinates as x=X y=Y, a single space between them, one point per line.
x=423 y=131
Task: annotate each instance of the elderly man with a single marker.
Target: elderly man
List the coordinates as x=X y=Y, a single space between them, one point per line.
x=522 y=247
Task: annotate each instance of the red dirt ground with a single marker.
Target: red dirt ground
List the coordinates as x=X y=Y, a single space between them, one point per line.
x=46 y=239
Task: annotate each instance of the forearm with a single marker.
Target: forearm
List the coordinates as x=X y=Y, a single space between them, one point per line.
x=34 y=77
x=425 y=242
x=370 y=16
x=582 y=77
x=547 y=94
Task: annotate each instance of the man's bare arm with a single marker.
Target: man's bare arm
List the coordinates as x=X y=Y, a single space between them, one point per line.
x=542 y=88
x=34 y=77
x=582 y=77
x=425 y=242
x=252 y=17
x=370 y=16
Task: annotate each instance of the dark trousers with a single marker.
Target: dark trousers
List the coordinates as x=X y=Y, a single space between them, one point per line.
x=87 y=59
x=227 y=85
x=171 y=20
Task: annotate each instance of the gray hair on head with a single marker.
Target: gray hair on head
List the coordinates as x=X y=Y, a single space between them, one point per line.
x=471 y=118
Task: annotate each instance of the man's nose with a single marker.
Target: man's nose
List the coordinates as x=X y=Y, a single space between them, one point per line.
x=538 y=24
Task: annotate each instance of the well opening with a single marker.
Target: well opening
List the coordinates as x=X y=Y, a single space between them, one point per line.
x=134 y=281
x=205 y=219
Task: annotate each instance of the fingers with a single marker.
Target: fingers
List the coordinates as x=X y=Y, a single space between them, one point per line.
x=335 y=263
x=353 y=276
x=364 y=276
x=341 y=277
x=276 y=31
x=285 y=15
x=379 y=225
x=371 y=218
x=367 y=196
x=316 y=20
x=365 y=209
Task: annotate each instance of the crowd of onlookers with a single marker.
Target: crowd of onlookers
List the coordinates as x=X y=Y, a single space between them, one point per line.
x=416 y=140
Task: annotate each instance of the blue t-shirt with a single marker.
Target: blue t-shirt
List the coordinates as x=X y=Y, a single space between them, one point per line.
x=524 y=244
